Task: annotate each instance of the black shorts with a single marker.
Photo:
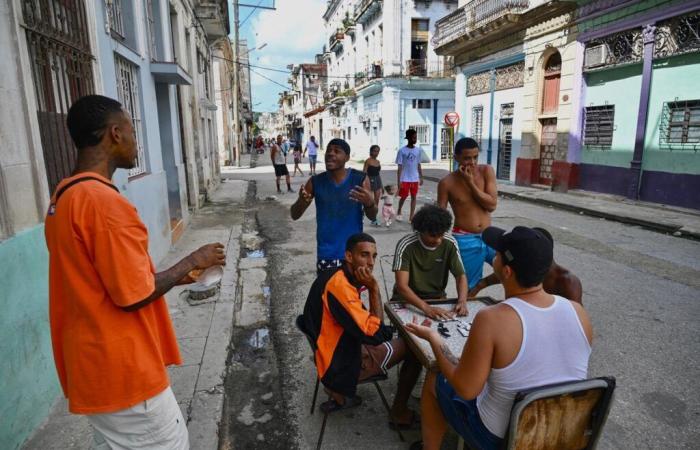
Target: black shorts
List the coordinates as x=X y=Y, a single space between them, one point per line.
x=281 y=170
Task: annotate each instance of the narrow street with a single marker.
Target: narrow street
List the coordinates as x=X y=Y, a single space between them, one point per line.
x=640 y=288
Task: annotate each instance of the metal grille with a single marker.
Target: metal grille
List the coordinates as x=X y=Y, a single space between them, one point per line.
x=445 y=143
x=59 y=52
x=128 y=92
x=598 y=126
x=680 y=123
x=150 y=19
x=423 y=132
x=505 y=145
x=115 y=10
x=477 y=123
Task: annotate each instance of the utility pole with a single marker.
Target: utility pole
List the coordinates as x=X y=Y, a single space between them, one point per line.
x=236 y=87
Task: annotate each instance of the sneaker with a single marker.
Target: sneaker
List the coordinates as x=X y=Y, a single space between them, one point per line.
x=388 y=224
x=399 y=218
x=290 y=190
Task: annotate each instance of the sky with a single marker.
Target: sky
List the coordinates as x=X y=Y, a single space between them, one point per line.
x=293 y=33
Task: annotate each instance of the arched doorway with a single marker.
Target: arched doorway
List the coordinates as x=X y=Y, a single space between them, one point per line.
x=550 y=106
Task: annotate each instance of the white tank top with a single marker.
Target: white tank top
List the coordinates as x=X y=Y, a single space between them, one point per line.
x=554 y=349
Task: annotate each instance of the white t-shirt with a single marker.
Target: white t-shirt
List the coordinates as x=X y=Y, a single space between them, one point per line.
x=312 y=148
x=409 y=159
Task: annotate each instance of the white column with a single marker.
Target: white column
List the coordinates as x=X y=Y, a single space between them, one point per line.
x=461 y=102
x=391 y=114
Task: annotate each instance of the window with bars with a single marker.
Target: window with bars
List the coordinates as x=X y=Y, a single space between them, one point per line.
x=423 y=133
x=128 y=91
x=680 y=123
x=151 y=22
x=419 y=103
x=116 y=18
x=598 y=127
x=477 y=123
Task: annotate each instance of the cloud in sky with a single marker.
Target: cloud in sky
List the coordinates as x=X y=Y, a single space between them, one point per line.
x=293 y=33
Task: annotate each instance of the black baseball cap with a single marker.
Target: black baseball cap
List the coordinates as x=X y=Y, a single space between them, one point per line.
x=527 y=251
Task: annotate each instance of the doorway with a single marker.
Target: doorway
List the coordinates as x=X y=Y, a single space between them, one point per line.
x=548 y=147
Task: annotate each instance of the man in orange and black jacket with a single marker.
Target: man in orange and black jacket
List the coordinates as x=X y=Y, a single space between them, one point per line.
x=353 y=344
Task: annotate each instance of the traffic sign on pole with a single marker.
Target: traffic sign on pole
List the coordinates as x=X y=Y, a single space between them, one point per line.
x=451 y=119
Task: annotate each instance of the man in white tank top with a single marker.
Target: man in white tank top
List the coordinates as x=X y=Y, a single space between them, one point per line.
x=531 y=339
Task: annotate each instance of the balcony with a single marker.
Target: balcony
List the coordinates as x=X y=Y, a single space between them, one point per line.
x=366 y=9
x=427 y=69
x=482 y=21
x=335 y=42
x=213 y=15
x=372 y=72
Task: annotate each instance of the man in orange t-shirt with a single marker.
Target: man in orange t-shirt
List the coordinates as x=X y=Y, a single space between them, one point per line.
x=111 y=332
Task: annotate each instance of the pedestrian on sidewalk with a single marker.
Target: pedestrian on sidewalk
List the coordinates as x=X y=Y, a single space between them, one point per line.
x=312 y=148
x=372 y=168
x=110 y=328
x=297 y=160
x=472 y=193
x=279 y=162
x=341 y=196
x=410 y=174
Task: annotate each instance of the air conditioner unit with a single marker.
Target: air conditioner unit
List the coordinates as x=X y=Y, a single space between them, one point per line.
x=595 y=56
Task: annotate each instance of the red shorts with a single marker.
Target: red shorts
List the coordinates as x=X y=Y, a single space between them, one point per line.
x=408 y=187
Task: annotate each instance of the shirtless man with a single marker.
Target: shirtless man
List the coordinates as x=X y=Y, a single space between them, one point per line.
x=558 y=281
x=472 y=193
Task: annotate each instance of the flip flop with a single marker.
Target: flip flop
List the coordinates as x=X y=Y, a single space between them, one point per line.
x=332 y=406
x=414 y=424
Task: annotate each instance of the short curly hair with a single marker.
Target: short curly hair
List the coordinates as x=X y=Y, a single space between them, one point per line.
x=432 y=219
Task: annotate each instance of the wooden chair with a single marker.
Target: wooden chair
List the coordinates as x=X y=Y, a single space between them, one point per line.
x=561 y=416
x=301 y=326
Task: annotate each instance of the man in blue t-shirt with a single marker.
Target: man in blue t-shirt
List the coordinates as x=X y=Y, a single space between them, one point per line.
x=341 y=196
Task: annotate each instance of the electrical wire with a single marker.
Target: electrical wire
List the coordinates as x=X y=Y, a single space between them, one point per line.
x=249 y=14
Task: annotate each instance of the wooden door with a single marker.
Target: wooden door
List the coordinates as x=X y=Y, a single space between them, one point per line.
x=550 y=90
x=548 y=147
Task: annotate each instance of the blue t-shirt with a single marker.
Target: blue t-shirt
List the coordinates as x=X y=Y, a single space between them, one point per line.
x=337 y=216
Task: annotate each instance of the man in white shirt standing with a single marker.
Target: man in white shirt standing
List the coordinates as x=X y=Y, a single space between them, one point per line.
x=410 y=174
x=312 y=148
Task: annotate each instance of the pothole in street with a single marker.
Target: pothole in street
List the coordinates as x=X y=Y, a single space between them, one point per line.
x=260 y=338
x=260 y=253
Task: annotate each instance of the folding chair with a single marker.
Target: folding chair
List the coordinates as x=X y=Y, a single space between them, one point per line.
x=567 y=415
x=374 y=380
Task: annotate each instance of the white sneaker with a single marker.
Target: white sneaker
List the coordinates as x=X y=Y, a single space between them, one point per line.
x=388 y=224
x=399 y=218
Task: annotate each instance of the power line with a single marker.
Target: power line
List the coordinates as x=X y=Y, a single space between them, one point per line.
x=249 y=14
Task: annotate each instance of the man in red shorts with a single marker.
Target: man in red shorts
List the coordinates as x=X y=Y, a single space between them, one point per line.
x=410 y=174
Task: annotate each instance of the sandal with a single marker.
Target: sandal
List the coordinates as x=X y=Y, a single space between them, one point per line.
x=332 y=406
x=414 y=424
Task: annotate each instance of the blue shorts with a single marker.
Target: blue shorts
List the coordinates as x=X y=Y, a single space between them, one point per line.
x=463 y=417
x=312 y=159
x=474 y=253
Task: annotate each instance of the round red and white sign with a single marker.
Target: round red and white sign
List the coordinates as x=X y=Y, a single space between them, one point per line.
x=451 y=119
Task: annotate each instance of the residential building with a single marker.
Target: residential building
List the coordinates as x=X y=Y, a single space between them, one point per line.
x=640 y=100
x=63 y=50
x=383 y=77
x=515 y=64
x=223 y=65
x=246 y=97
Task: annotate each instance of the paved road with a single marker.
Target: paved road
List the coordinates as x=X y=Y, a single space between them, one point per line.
x=640 y=288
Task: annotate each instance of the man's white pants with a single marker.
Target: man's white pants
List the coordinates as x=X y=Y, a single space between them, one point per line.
x=156 y=423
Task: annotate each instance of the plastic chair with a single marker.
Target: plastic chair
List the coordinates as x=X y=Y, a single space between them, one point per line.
x=566 y=415
x=374 y=380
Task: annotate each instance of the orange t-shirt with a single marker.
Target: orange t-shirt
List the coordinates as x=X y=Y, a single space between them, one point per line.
x=107 y=359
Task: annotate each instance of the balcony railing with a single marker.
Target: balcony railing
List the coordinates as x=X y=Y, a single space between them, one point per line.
x=366 y=9
x=428 y=69
x=372 y=72
x=335 y=42
x=473 y=16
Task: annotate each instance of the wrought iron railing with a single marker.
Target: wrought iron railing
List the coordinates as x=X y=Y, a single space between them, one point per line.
x=425 y=68
x=472 y=16
x=372 y=72
x=363 y=6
